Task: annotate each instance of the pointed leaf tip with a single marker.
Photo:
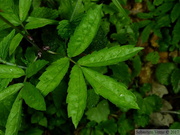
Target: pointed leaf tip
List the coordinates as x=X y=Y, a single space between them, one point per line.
x=85 y=32
x=77 y=95
x=109 y=56
x=110 y=89
x=7 y=71
x=53 y=75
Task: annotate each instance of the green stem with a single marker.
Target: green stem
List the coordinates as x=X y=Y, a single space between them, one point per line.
x=19 y=31
x=11 y=64
x=118 y=5
x=72 y=61
x=25 y=35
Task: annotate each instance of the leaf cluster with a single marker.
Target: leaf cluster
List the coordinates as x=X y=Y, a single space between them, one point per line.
x=73 y=65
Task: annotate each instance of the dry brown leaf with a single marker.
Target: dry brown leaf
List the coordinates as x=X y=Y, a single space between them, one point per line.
x=159 y=89
x=159 y=119
x=163 y=57
x=166 y=106
x=145 y=74
x=153 y=41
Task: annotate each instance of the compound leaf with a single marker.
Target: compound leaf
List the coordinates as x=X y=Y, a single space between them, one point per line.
x=24 y=6
x=14 y=43
x=53 y=75
x=33 y=68
x=7 y=71
x=14 y=118
x=109 y=56
x=33 y=97
x=10 y=91
x=107 y=87
x=77 y=95
x=85 y=32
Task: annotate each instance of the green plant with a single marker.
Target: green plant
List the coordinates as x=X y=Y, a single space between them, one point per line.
x=67 y=66
x=33 y=90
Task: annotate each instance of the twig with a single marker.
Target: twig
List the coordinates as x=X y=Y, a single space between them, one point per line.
x=19 y=31
x=11 y=64
x=174 y=112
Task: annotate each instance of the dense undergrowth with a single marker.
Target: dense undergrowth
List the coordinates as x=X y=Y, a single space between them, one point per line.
x=89 y=67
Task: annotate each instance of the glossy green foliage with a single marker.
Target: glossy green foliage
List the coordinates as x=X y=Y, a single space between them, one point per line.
x=4 y=83
x=109 y=56
x=85 y=32
x=11 y=17
x=7 y=71
x=33 y=97
x=4 y=44
x=80 y=56
x=5 y=107
x=35 y=22
x=15 y=43
x=24 y=6
x=175 y=80
x=14 y=118
x=77 y=95
x=12 y=89
x=163 y=72
x=53 y=75
x=33 y=68
x=6 y=5
x=99 y=113
x=107 y=87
